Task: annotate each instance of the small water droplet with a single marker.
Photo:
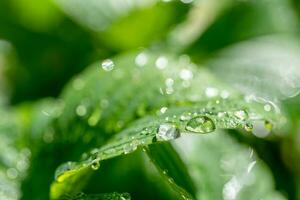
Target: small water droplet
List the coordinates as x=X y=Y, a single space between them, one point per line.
x=222 y=114
x=163 y=110
x=81 y=110
x=169 y=90
x=141 y=59
x=12 y=173
x=167 y=131
x=95 y=164
x=186 y=74
x=107 y=65
x=200 y=124
x=241 y=114
x=169 y=82
x=224 y=94
x=185 y=117
x=211 y=92
x=267 y=107
x=78 y=84
x=161 y=62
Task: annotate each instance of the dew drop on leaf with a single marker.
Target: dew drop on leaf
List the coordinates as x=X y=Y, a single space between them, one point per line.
x=241 y=114
x=141 y=59
x=200 y=124
x=161 y=62
x=107 y=65
x=166 y=132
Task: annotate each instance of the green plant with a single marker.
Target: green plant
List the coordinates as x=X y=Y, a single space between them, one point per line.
x=207 y=109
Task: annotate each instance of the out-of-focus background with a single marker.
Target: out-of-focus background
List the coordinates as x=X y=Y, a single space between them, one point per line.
x=44 y=44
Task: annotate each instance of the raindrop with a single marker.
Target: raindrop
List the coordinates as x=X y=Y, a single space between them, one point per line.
x=267 y=107
x=107 y=65
x=78 y=84
x=163 y=110
x=95 y=164
x=260 y=129
x=185 y=117
x=211 y=92
x=161 y=62
x=186 y=74
x=81 y=110
x=141 y=59
x=169 y=82
x=224 y=94
x=200 y=124
x=241 y=114
x=12 y=173
x=167 y=131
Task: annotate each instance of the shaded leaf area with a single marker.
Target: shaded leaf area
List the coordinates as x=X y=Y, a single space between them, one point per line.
x=226 y=169
x=115 y=174
x=199 y=18
x=125 y=25
x=255 y=18
x=170 y=165
x=6 y=60
x=252 y=66
x=108 y=196
x=44 y=50
x=14 y=156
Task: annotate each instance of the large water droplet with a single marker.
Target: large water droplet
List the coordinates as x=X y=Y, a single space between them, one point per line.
x=107 y=65
x=167 y=132
x=200 y=124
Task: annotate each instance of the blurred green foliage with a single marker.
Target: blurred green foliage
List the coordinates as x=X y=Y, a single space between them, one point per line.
x=93 y=94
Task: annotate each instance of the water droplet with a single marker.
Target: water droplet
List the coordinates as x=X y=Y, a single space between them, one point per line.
x=12 y=173
x=169 y=82
x=186 y=74
x=211 y=92
x=185 y=117
x=78 y=84
x=107 y=65
x=163 y=110
x=95 y=164
x=81 y=110
x=267 y=107
x=260 y=130
x=141 y=59
x=167 y=131
x=241 y=114
x=200 y=124
x=169 y=90
x=224 y=94
x=161 y=62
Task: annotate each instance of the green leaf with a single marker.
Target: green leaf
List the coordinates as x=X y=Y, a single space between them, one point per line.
x=170 y=165
x=14 y=156
x=200 y=17
x=252 y=66
x=180 y=99
x=108 y=196
x=124 y=24
x=221 y=168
